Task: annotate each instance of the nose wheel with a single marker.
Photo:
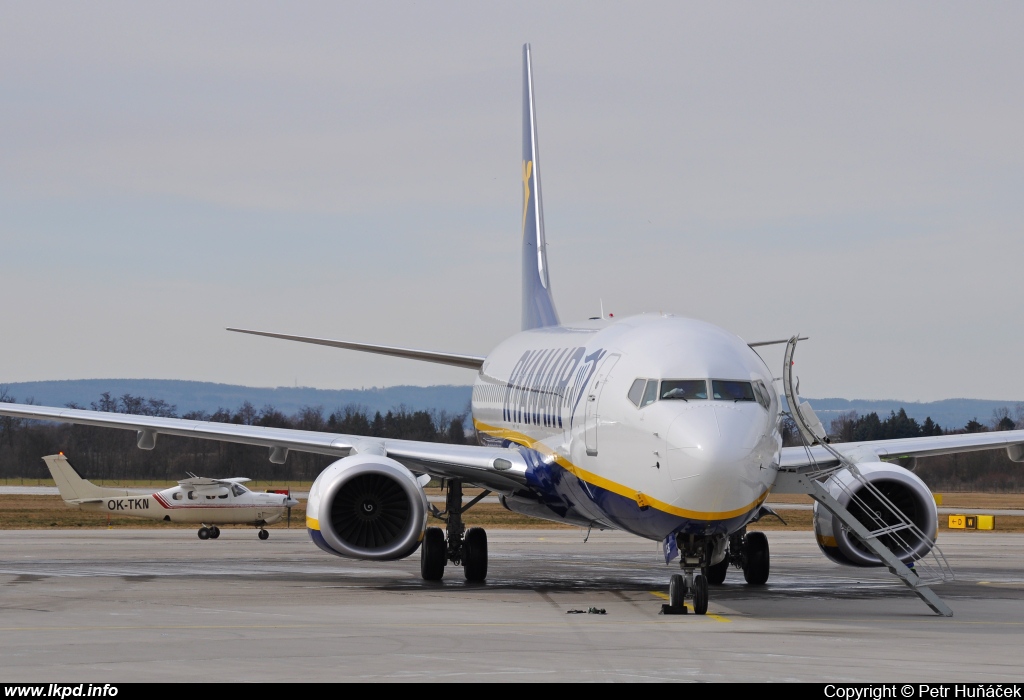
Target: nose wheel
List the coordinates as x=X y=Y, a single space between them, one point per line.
x=264 y=534
x=692 y=583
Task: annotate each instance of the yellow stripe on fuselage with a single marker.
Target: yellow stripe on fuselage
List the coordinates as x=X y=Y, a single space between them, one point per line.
x=607 y=485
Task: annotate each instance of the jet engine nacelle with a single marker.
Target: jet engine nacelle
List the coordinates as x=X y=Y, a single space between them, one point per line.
x=903 y=488
x=367 y=506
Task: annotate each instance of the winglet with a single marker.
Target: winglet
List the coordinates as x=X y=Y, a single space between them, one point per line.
x=538 y=306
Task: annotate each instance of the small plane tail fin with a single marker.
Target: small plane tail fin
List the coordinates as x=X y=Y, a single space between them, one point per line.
x=538 y=305
x=70 y=483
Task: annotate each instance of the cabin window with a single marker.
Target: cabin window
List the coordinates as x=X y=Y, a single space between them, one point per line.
x=636 y=392
x=685 y=389
x=191 y=495
x=223 y=495
x=650 y=393
x=728 y=390
x=177 y=495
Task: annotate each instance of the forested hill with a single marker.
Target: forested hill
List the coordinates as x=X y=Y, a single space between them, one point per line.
x=951 y=414
x=207 y=397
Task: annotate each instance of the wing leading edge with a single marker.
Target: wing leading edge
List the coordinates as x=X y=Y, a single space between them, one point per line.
x=1010 y=440
x=444 y=358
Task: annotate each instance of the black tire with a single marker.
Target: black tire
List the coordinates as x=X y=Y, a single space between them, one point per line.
x=264 y=534
x=433 y=555
x=716 y=573
x=474 y=554
x=700 y=595
x=204 y=533
x=677 y=592
x=214 y=532
x=755 y=558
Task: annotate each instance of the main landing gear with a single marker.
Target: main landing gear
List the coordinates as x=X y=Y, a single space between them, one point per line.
x=455 y=544
x=745 y=550
x=209 y=533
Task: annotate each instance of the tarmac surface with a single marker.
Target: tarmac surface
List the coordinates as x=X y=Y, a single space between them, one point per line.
x=128 y=605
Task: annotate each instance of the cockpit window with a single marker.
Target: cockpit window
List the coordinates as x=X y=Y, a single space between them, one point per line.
x=686 y=389
x=650 y=393
x=636 y=392
x=763 y=397
x=238 y=489
x=728 y=390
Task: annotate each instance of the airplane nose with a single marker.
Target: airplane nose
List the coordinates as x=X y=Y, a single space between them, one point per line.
x=709 y=445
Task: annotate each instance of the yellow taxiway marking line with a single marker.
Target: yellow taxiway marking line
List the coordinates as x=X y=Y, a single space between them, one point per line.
x=689 y=608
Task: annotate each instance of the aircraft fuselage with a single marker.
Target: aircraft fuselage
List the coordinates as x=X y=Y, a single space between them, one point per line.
x=652 y=424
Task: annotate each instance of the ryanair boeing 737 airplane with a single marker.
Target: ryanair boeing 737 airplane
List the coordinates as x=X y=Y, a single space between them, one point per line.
x=660 y=426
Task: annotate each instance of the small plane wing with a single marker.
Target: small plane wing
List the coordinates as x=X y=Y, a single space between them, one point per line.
x=444 y=358
x=206 y=481
x=498 y=469
x=1010 y=440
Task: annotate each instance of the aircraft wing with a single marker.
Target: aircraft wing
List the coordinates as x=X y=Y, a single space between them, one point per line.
x=443 y=358
x=494 y=468
x=206 y=481
x=893 y=450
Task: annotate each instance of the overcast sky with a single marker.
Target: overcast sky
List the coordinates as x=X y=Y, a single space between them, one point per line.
x=850 y=171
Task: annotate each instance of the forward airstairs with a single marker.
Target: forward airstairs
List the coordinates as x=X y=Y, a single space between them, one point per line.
x=883 y=527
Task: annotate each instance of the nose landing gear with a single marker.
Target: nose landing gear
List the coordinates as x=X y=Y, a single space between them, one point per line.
x=692 y=583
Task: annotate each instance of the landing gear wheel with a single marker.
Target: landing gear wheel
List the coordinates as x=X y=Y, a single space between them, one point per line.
x=755 y=558
x=264 y=534
x=204 y=533
x=700 y=595
x=214 y=532
x=677 y=593
x=433 y=555
x=715 y=574
x=474 y=554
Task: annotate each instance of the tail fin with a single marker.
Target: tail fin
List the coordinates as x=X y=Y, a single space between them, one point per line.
x=70 y=483
x=538 y=306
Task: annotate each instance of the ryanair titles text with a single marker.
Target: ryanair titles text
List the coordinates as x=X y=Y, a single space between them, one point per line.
x=545 y=385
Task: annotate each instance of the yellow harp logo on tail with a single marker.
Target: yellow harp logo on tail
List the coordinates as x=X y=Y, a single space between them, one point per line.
x=527 y=173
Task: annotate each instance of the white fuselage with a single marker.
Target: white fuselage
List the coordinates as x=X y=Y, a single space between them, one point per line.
x=696 y=465
x=182 y=504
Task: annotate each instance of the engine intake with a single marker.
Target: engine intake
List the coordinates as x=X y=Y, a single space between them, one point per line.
x=367 y=507
x=904 y=489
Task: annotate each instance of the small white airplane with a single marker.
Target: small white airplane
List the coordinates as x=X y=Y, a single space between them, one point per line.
x=208 y=502
x=664 y=427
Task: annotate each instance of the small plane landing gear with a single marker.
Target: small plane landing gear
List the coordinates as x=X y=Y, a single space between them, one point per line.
x=264 y=534
x=208 y=532
x=693 y=557
x=455 y=544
